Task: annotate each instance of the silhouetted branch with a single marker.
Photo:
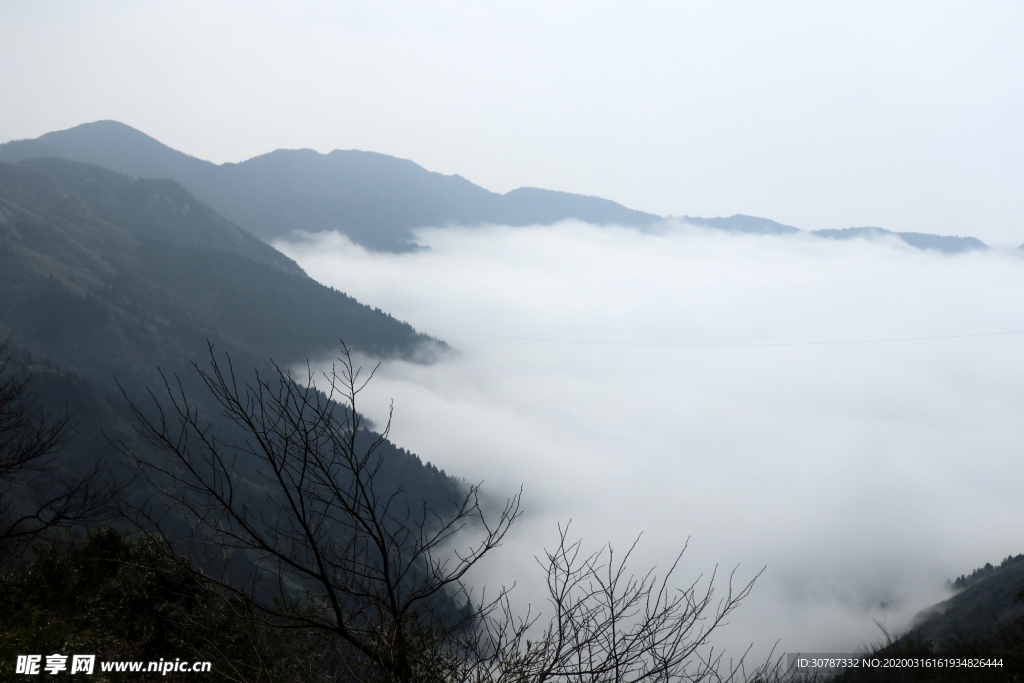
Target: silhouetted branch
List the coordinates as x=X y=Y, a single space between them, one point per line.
x=36 y=493
x=374 y=569
x=336 y=554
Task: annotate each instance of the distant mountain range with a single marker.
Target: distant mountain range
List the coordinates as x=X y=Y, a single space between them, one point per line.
x=374 y=199
x=763 y=226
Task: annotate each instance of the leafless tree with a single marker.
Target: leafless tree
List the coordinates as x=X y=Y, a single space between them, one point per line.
x=37 y=494
x=609 y=625
x=301 y=497
x=335 y=552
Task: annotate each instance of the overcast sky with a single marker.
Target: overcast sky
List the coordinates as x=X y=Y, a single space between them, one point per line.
x=821 y=115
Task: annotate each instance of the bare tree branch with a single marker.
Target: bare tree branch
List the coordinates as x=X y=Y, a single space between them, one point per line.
x=335 y=552
x=301 y=495
x=36 y=496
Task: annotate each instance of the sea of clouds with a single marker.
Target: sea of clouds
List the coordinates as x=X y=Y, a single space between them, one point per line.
x=766 y=397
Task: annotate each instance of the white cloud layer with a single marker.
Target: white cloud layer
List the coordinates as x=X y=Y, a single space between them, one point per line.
x=862 y=475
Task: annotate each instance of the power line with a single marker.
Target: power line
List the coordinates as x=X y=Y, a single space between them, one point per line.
x=740 y=344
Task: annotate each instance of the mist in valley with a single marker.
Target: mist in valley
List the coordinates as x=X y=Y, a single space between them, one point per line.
x=835 y=419
x=836 y=413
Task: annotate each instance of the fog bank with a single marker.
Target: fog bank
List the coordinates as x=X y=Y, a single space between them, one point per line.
x=677 y=384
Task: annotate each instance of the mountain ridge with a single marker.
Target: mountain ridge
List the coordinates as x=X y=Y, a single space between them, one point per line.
x=376 y=200
x=139 y=267
x=111 y=286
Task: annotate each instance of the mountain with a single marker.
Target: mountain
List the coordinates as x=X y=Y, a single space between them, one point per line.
x=741 y=223
x=375 y=199
x=763 y=226
x=978 y=635
x=114 y=275
x=944 y=243
x=106 y=281
x=984 y=599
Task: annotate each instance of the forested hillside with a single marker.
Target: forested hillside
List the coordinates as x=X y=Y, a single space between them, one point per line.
x=112 y=276
x=107 y=281
x=987 y=599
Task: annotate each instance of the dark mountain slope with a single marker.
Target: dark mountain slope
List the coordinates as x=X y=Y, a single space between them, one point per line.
x=986 y=599
x=373 y=198
x=114 y=276
x=979 y=633
x=103 y=277
x=150 y=209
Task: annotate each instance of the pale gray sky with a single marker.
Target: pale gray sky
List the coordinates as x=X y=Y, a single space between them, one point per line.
x=822 y=115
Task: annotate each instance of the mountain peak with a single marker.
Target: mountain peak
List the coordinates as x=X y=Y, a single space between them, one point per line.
x=111 y=144
x=375 y=199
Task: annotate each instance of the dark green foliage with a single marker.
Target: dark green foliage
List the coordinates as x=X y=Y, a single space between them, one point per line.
x=124 y=598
